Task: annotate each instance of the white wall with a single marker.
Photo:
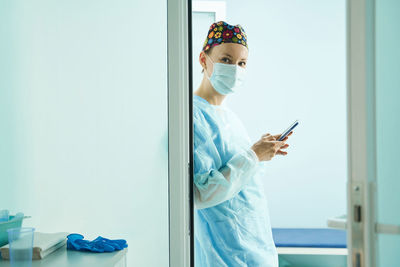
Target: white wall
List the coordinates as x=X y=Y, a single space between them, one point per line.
x=296 y=70
x=83 y=120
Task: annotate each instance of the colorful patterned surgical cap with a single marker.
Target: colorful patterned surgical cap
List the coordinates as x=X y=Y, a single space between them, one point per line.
x=221 y=32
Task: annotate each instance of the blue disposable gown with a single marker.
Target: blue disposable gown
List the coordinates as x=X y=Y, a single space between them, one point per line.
x=232 y=226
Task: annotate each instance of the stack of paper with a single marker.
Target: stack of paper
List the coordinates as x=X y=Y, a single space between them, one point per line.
x=43 y=245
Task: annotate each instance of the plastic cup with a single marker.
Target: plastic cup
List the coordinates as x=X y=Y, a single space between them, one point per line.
x=4 y=215
x=21 y=245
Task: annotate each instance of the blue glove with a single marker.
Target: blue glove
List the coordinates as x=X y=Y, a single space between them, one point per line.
x=100 y=244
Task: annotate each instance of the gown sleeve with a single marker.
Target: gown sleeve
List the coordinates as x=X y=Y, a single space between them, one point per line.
x=215 y=182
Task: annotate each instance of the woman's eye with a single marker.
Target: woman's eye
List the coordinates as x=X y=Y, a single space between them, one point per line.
x=242 y=64
x=225 y=60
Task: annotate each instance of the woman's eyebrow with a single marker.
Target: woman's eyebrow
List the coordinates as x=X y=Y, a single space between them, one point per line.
x=225 y=54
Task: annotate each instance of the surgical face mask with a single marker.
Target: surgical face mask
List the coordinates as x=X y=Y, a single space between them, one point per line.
x=226 y=78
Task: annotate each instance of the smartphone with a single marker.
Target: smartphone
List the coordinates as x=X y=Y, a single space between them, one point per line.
x=288 y=130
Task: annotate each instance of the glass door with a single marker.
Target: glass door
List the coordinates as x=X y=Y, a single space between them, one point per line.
x=387 y=70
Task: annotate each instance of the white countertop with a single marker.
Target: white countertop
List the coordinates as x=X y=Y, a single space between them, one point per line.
x=69 y=258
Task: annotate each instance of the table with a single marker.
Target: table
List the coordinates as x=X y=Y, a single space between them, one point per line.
x=69 y=258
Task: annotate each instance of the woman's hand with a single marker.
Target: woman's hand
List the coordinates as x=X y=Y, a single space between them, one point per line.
x=268 y=146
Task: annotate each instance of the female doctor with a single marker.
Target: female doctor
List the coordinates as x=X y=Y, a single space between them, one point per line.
x=232 y=226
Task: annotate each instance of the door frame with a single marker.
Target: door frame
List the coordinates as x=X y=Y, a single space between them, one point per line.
x=361 y=186
x=179 y=134
x=361 y=215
